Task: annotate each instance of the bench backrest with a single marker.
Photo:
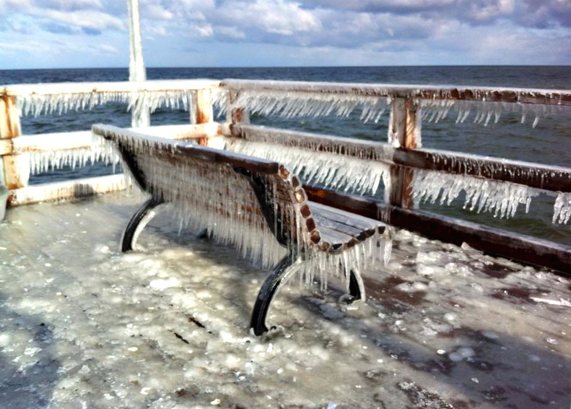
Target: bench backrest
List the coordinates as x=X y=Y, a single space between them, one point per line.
x=254 y=204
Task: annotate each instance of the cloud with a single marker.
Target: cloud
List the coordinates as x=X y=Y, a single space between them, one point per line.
x=62 y=16
x=321 y=31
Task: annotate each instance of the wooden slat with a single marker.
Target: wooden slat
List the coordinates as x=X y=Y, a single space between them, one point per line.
x=490 y=240
x=467 y=93
x=235 y=159
x=66 y=190
x=343 y=217
x=553 y=178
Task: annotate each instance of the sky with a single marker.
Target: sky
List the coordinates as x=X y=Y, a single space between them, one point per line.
x=240 y=33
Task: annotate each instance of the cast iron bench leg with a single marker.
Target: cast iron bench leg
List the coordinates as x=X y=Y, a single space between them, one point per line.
x=356 y=286
x=140 y=218
x=265 y=295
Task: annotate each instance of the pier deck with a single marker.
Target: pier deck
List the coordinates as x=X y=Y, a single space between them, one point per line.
x=443 y=326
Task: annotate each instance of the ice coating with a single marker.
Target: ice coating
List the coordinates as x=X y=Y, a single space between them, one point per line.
x=41 y=162
x=501 y=198
x=313 y=99
x=45 y=104
x=483 y=112
x=562 y=208
x=84 y=325
x=310 y=104
x=329 y=168
x=212 y=196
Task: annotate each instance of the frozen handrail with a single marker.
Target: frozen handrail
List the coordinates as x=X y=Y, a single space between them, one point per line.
x=434 y=92
x=255 y=204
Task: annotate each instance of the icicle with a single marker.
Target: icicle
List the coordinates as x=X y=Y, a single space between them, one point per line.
x=309 y=104
x=562 y=208
x=45 y=104
x=212 y=196
x=501 y=198
x=331 y=169
x=484 y=111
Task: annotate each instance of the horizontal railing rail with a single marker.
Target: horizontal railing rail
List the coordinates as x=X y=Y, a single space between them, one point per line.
x=238 y=99
x=468 y=93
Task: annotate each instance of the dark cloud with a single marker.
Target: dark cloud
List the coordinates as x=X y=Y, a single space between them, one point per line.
x=527 y=13
x=545 y=13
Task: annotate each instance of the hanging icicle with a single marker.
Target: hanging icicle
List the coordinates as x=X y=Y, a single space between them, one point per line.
x=331 y=169
x=310 y=104
x=50 y=104
x=482 y=195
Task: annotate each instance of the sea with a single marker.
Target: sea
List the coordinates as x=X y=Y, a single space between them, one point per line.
x=549 y=142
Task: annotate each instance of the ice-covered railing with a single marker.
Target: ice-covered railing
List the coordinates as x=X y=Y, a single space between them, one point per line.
x=59 y=98
x=312 y=99
x=410 y=174
x=23 y=155
x=407 y=172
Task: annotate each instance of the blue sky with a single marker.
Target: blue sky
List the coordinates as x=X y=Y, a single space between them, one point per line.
x=93 y=33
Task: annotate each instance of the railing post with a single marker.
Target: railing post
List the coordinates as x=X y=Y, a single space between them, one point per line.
x=16 y=169
x=404 y=132
x=203 y=108
x=202 y=112
x=236 y=115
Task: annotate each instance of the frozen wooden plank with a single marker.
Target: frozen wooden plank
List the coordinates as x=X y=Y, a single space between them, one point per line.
x=467 y=93
x=106 y=87
x=548 y=177
x=66 y=190
x=83 y=139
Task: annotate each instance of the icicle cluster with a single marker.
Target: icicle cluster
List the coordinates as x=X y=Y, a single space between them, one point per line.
x=39 y=104
x=501 y=198
x=310 y=104
x=562 y=208
x=484 y=112
x=212 y=196
x=329 y=169
x=373 y=252
x=291 y=104
x=41 y=162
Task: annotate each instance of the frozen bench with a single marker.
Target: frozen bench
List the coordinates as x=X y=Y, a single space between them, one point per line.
x=253 y=204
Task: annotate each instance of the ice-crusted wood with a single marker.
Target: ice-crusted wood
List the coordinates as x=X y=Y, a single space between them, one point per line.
x=16 y=169
x=450 y=92
x=456 y=170
x=58 y=98
x=71 y=189
x=256 y=205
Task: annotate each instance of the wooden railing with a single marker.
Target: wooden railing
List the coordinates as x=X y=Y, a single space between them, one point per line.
x=403 y=150
x=58 y=97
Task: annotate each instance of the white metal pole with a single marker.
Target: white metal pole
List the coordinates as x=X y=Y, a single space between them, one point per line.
x=140 y=114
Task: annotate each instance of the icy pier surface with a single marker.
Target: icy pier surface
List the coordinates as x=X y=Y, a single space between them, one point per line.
x=82 y=325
